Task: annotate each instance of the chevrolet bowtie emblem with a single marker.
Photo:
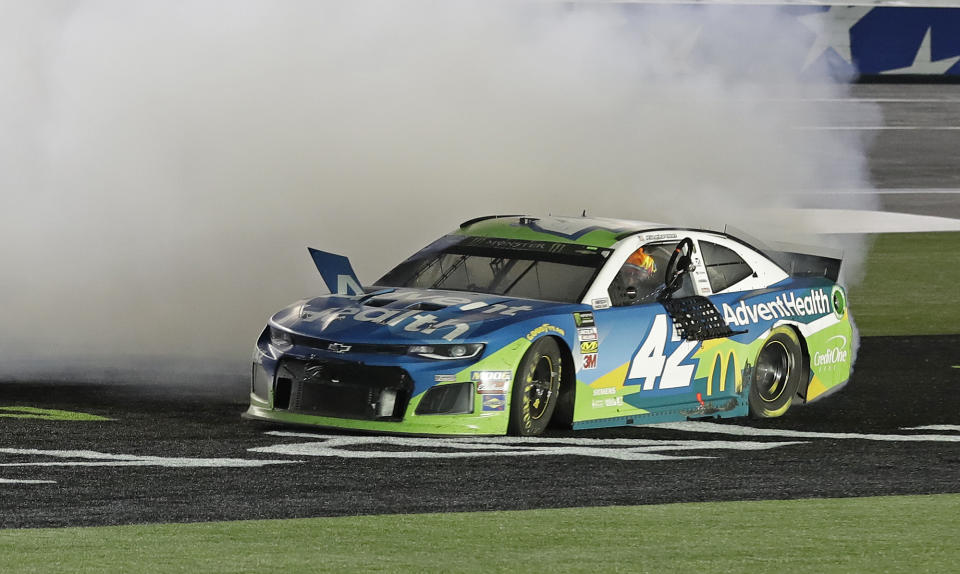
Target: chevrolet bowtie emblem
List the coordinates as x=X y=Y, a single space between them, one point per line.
x=338 y=348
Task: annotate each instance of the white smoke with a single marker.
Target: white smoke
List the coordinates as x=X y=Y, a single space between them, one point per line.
x=165 y=164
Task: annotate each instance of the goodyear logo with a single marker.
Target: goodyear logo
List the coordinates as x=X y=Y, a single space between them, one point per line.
x=542 y=329
x=589 y=347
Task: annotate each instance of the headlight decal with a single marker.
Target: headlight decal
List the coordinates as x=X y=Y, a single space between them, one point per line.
x=447 y=352
x=280 y=340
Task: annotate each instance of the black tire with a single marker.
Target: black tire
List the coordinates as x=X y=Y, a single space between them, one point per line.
x=776 y=374
x=536 y=388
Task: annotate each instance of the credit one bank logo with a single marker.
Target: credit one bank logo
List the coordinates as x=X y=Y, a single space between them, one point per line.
x=836 y=352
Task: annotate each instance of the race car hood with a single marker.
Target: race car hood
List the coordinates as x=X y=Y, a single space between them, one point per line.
x=404 y=315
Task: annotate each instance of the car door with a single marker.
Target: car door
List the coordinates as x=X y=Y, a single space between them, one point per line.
x=727 y=272
x=631 y=357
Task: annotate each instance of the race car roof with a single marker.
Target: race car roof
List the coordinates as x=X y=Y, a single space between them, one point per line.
x=592 y=231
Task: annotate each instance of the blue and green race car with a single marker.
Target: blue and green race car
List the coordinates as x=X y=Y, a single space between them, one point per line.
x=513 y=323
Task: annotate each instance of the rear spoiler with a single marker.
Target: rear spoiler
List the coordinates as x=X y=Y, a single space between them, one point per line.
x=803 y=261
x=797 y=260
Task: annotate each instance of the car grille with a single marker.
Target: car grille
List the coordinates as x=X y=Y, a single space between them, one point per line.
x=342 y=389
x=327 y=345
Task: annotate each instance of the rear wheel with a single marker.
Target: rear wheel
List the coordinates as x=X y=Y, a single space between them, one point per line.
x=536 y=388
x=776 y=375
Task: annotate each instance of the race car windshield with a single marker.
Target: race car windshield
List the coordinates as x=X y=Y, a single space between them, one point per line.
x=515 y=268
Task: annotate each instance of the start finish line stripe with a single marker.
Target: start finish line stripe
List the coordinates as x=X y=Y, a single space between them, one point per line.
x=715 y=428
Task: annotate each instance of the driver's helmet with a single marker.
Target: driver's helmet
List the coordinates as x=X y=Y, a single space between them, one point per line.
x=639 y=268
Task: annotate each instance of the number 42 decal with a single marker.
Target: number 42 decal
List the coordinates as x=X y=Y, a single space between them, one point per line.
x=650 y=362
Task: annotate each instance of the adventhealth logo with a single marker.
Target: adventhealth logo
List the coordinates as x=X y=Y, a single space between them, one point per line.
x=786 y=305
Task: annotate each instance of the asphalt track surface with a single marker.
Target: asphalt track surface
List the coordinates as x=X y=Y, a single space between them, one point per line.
x=176 y=453
x=914 y=156
x=916 y=141
x=175 y=450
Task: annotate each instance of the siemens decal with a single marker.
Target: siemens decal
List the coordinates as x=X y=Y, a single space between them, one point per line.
x=786 y=305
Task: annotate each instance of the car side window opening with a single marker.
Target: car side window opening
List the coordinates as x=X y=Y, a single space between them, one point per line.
x=724 y=267
x=641 y=278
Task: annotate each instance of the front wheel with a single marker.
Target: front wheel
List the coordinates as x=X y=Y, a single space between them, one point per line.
x=536 y=388
x=776 y=375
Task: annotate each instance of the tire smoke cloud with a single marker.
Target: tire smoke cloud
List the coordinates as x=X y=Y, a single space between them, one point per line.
x=165 y=164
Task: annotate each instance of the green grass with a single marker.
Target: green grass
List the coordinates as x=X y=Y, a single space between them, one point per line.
x=883 y=534
x=911 y=286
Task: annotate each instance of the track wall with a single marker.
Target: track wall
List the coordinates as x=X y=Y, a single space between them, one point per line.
x=873 y=40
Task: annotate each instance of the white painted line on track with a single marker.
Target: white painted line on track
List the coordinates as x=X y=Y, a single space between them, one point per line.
x=885 y=191
x=93 y=458
x=735 y=430
x=473 y=442
x=364 y=447
x=872 y=100
x=472 y=447
x=894 y=3
x=839 y=221
x=12 y=481
x=878 y=128
x=695 y=426
x=955 y=428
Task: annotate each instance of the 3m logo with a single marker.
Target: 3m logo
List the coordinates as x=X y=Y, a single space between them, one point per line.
x=589 y=347
x=590 y=361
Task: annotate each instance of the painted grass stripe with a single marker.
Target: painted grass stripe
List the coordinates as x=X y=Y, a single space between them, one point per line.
x=23 y=412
